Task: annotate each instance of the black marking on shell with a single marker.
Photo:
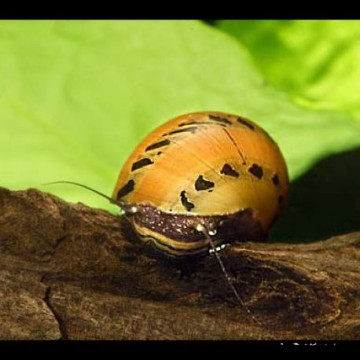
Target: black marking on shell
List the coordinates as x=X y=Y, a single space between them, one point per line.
x=203 y=184
x=220 y=119
x=126 y=189
x=158 y=144
x=245 y=123
x=200 y=123
x=141 y=163
x=256 y=170
x=280 y=199
x=190 y=129
x=185 y=201
x=229 y=170
x=275 y=179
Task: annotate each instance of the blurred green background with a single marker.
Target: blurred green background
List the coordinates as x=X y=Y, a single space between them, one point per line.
x=77 y=96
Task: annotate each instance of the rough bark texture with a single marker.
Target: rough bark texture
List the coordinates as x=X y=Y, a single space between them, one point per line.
x=69 y=272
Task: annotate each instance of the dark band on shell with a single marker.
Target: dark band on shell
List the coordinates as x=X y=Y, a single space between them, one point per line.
x=228 y=170
x=242 y=121
x=190 y=129
x=126 y=189
x=203 y=184
x=200 y=123
x=220 y=119
x=185 y=201
x=141 y=163
x=158 y=144
x=275 y=179
x=256 y=170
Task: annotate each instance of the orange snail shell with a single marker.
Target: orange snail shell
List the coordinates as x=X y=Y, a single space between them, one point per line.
x=210 y=168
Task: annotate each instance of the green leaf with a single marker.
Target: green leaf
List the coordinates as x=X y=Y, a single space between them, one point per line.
x=315 y=62
x=77 y=96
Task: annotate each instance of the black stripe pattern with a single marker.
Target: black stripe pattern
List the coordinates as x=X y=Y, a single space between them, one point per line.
x=126 y=189
x=242 y=121
x=256 y=170
x=185 y=201
x=220 y=119
x=190 y=129
x=229 y=171
x=203 y=184
x=141 y=163
x=158 y=144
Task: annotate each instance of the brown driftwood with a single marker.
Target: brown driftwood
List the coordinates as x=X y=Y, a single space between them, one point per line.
x=68 y=272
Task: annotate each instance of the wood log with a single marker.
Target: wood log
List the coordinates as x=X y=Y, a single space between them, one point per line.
x=68 y=271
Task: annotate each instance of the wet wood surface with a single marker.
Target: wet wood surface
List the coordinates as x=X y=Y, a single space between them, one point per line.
x=70 y=272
